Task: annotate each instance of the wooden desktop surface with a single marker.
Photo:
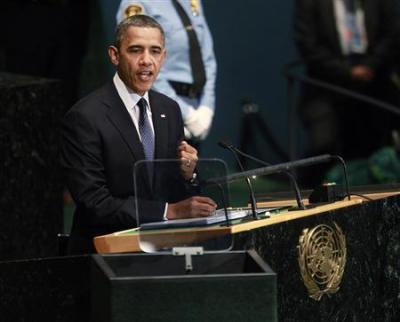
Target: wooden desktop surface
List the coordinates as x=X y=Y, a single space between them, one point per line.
x=130 y=240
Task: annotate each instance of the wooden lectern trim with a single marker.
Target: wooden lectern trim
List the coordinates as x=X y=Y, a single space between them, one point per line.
x=129 y=240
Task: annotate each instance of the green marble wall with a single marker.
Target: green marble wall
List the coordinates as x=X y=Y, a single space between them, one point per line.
x=30 y=177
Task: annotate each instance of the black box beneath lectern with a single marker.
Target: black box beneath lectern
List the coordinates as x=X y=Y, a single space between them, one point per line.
x=223 y=286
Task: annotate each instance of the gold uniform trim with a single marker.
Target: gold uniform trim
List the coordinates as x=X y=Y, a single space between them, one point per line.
x=133 y=10
x=194 y=4
x=322 y=259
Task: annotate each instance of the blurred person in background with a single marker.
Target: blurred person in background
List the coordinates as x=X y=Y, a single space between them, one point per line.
x=352 y=44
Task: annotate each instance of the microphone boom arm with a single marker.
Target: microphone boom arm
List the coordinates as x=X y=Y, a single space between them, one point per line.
x=274 y=168
x=292 y=178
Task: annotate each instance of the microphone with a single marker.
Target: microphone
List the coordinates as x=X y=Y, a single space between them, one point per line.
x=285 y=167
x=346 y=181
x=226 y=145
x=250 y=187
x=299 y=200
x=281 y=167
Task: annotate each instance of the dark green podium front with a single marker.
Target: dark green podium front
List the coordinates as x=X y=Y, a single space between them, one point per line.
x=223 y=286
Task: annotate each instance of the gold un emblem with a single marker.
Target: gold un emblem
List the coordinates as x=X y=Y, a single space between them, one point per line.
x=322 y=258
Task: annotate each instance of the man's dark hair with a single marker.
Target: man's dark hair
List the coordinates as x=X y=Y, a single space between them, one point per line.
x=142 y=21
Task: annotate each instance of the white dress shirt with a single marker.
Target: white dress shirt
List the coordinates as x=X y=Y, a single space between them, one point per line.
x=130 y=100
x=341 y=26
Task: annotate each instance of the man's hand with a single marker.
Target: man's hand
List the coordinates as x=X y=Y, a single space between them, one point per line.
x=192 y=207
x=362 y=73
x=188 y=156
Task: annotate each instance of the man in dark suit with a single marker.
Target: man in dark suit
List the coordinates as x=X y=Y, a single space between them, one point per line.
x=350 y=43
x=108 y=131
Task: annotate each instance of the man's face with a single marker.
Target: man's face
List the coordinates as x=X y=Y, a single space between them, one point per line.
x=139 y=57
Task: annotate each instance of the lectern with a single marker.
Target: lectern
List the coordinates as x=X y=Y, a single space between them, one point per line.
x=334 y=262
x=182 y=277
x=74 y=289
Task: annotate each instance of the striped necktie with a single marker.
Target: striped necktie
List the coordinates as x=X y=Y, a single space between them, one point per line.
x=145 y=130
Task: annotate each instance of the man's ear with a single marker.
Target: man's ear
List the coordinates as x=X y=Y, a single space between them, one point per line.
x=114 y=55
x=164 y=55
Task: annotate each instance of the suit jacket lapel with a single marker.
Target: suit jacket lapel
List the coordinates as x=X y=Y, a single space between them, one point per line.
x=160 y=123
x=370 y=19
x=119 y=116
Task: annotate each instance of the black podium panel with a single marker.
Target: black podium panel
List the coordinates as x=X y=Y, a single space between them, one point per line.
x=234 y=286
x=370 y=287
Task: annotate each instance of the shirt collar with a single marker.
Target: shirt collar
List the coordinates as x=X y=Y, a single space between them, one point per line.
x=128 y=96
